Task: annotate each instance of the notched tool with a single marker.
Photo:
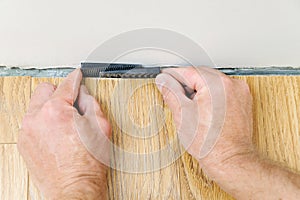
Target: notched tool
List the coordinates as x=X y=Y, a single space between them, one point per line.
x=119 y=70
x=123 y=70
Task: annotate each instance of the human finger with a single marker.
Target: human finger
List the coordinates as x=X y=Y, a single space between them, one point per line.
x=42 y=93
x=69 y=88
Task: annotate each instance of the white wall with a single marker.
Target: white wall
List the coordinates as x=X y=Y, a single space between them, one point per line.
x=233 y=32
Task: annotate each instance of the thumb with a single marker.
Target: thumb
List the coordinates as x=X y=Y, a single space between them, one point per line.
x=90 y=109
x=172 y=92
x=184 y=110
x=93 y=128
x=68 y=89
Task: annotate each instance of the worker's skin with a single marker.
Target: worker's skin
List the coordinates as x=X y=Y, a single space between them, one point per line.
x=62 y=168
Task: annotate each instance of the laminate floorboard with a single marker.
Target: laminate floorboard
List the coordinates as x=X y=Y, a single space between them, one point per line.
x=143 y=124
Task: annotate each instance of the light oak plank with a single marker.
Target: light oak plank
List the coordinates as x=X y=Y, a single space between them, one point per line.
x=276 y=111
x=14 y=99
x=276 y=135
x=140 y=97
x=13 y=173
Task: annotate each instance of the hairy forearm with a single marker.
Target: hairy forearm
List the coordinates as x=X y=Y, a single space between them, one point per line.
x=255 y=178
x=282 y=183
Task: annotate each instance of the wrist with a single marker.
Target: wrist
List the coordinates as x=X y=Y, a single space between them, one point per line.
x=250 y=176
x=236 y=173
x=221 y=164
x=83 y=191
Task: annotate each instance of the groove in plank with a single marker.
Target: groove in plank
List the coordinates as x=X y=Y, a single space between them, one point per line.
x=14 y=99
x=13 y=173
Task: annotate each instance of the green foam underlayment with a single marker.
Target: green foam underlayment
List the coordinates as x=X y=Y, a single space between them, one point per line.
x=62 y=72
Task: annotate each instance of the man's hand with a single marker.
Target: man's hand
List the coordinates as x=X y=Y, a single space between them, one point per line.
x=50 y=144
x=188 y=95
x=232 y=162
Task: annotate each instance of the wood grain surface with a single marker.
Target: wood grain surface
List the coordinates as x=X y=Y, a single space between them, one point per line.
x=13 y=173
x=142 y=123
x=14 y=99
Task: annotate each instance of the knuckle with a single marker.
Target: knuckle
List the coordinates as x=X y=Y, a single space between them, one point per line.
x=191 y=72
x=235 y=84
x=50 y=105
x=227 y=81
x=106 y=126
x=243 y=86
x=52 y=109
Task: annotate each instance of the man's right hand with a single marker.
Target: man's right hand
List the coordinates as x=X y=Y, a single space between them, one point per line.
x=189 y=96
x=193 y=95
